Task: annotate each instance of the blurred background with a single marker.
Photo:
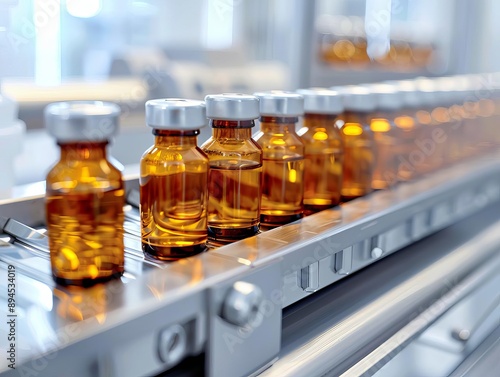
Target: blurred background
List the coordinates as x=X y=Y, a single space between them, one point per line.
x=129 y=51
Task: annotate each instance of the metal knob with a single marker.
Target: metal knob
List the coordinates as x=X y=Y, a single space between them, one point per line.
x=242 y=304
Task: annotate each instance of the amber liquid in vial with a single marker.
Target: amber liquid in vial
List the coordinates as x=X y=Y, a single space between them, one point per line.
x=173 y=220
x=471 y=128
x=324 y=156
x=84 y=209
x=282 y=171
x=359 y=157
x=282 y=191
x=234 y=188
x=441 y=125
x=487 y=133
x=454 y=136
x=423 y=161
x=234 y=192
x=385 y=169
x=408 y=130
x=174 y=176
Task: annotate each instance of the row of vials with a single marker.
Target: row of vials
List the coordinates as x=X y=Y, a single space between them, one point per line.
x=315 y=149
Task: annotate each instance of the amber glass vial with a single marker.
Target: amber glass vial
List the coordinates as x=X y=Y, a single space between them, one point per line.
x=174 y=178
x=323 y=149
x=487 y=134
x=409 y=131
x=448 y=121
x=283 y=164
x=385 y=135
x=84 y=195
x=235 y=168
x=469 y=134
x=459 y=139
x=436 y=126
x=476 y=97
x=359 y=156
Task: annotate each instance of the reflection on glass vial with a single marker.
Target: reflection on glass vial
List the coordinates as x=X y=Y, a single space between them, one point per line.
x=359 y=157
x=385 y=173
x=173 y=182
x=283 y=163
x=323 y=148
x=84 y=195
x=235 y=173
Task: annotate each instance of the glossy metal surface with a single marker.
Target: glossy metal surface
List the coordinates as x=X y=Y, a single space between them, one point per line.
x=59 y=320
x=82 y=120
x=344 y=240
x=321 y=101
x=232 y=106
x=354 y=328
x=484 y=360
x=175 y=114
x=280 y=103
x=434 y=329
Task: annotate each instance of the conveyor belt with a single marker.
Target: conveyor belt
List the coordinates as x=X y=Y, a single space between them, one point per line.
x=159 y=314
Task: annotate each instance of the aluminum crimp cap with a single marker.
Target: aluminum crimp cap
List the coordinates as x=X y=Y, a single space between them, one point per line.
x=356 y=98
x=322 y=101
x=175 y=114
x=387 y=97
x=82 y=120
x=409 y=93
x=427 y=90
x=232 y=106
x=446 y=91
x=280 y=103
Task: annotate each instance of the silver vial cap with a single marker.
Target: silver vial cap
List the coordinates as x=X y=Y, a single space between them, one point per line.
x=280 y=103
x=409 y=94
x=232 y=106
x=463 y=90
x=91 y=121
x=322 y=101
x=387 y=98
x=175 y=114
x=427 y=91
x=445 y=91
x=356 y=98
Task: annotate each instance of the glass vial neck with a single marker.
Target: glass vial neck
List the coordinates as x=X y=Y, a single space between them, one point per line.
x=231 y=124
x=356 y=117
x=83 y=150
x=390 y=115
x=232 y=129
x=278 y=124
x=319 y=120
x=169 y=138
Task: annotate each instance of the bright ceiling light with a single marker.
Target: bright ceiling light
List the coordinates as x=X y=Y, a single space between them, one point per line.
x=83 y=8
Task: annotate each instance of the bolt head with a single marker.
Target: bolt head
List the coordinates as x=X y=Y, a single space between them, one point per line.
x=242 y=303
x=172 y=344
